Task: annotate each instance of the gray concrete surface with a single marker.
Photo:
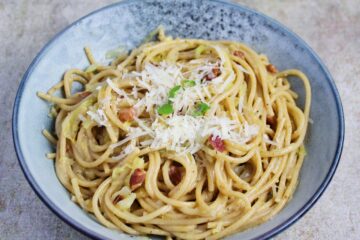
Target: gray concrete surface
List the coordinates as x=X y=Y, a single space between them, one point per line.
x=331 y=27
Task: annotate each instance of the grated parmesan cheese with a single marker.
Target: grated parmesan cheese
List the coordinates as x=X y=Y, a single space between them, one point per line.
x=185 y=133
x=267 y=140
x=187 y=98
x=126 y=151
x=241 y=68
x=159 y=80
x=99 y=116
x=180 y=132
x=241 y=103
x=130 y=137
x=119 y=91
x=82 y=118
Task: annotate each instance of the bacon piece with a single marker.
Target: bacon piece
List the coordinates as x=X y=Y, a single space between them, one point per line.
x=271 y=68
x=271 y=120
x=175 y=174
x=215 y=72
x=117 y=199
x=127 y=114
x=137 y=179
x=84 y=94
x=217 y=143
x=239 y=54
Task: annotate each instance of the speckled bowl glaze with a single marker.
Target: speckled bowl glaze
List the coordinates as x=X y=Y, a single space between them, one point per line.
x=127 y=23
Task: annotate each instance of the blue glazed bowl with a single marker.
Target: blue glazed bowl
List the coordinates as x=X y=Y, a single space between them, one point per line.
x=127 y=23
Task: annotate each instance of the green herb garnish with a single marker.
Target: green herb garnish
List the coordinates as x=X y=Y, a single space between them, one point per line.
x=188 y=83
x=201 y=109
x=174 y=91
x=165 y=109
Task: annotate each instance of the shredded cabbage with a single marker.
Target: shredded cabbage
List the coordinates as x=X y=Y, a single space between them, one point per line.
x=52 y=112
x=70 y=124
x=111 y=54
x=126 y=203
x=94 y=86
x=138 y=163
x=127 y=124
x=125 y=191
x=117 y=171
x=152 y=34
x=200 y=49
x=302 y=150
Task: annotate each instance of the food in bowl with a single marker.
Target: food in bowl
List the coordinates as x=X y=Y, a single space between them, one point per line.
x=183 y=138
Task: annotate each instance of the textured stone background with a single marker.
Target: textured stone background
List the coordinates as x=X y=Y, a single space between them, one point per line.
x=331 y=27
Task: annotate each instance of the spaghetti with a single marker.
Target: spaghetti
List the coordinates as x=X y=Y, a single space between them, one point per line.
x=182 y=138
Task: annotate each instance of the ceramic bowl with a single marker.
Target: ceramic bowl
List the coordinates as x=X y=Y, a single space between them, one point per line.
x=127 y=23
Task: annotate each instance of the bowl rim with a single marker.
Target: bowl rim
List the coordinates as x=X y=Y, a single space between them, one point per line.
x=89 y=232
